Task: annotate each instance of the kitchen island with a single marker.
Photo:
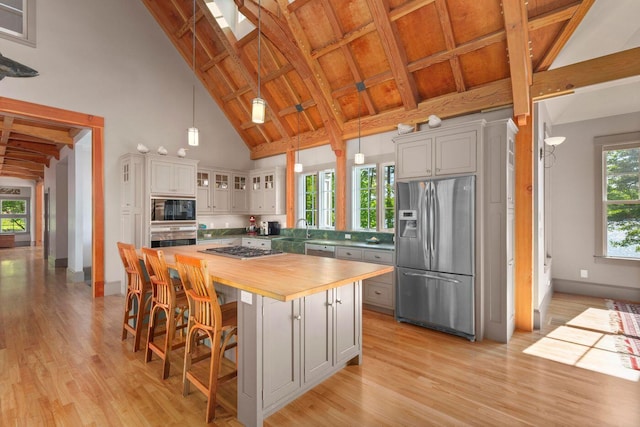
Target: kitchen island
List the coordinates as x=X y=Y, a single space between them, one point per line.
x=299 y=322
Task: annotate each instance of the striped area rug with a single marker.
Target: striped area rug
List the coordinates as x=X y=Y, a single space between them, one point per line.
x=626 y=317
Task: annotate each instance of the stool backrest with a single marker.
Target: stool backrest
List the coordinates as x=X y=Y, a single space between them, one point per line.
x=203 y=301
x=163 y=290
x=136 y=277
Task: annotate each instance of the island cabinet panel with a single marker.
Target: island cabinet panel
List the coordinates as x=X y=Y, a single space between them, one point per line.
x=307 y=340
x=281 y=342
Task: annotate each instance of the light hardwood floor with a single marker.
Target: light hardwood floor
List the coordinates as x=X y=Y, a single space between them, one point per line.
x=62 y=363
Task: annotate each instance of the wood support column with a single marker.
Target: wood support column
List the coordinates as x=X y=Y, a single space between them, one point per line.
x=290 y=185
x=524 y=229
x=97 y=188
x=341 y=188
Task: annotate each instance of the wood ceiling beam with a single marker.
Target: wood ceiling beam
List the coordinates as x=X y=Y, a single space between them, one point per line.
x=598 y=70
x=22 y=156
x=21 y=175
x=450 y=43
x=407 y=8
x=32 y=147
x=395 y=52
x=515 y=23
x=52 y=136
x=566 y=32
x=19 y=164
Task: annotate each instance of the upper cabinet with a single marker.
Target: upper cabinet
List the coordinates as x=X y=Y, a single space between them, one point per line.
x=240 y=193
x=203 y=199
x=267 y=191
x=172 y=176
x=222 y=192
x=441 y=151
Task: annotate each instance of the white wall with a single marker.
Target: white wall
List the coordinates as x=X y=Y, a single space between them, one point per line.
x=573 y=180
x=111 y=59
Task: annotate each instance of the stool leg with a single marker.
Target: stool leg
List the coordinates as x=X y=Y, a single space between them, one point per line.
x=127 y=310
x=171 y=329
x=139 y=318
x=151 y=332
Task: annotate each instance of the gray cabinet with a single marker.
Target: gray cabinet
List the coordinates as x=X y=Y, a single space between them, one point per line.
x=441 y=151
x=308 y=339
x=378 y=293
x=499 y=280
x=256 y=243
x=204 y=203
x=132 y=199
x=172 y=176
x=240 y=193
x=267 y=193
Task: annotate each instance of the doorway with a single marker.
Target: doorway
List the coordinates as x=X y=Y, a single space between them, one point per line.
x=15 y=108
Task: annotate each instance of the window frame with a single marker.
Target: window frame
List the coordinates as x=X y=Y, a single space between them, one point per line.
x=323 y=198
x=26 y=216
x=601 y=146
x=380 y=196
x=28 y=35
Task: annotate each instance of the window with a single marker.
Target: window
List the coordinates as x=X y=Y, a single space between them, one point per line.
x=318 y=195
x=17 y=21
x=14 y=216
x=621 y=200
x=371 y=184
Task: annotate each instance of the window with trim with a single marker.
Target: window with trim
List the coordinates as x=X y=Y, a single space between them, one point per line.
x=317 y=196
x=17 y=21
x=14 y=216
x=620 y=210
x=373 y=204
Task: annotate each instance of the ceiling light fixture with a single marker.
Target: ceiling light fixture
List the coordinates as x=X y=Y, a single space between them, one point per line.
x=297 y=167
x=192 y=132
x=258 y=105
x=359 y=157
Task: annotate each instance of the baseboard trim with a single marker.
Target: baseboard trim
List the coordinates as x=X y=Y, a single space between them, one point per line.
x=596 y=290
x=540 y=313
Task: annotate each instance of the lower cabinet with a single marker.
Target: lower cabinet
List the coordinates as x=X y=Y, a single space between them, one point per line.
x=378 y=293
x=308 y=339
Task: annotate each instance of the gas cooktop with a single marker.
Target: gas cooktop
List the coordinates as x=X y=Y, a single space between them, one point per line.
x=240 y=252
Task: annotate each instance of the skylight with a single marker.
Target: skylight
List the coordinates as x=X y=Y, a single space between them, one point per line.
x=227 y=15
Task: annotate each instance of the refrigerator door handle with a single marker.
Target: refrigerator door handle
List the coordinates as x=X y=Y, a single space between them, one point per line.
x=432 y=216
x=432 y=276
x=426 y=224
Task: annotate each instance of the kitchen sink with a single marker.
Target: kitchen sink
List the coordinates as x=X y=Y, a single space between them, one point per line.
x=292 y=239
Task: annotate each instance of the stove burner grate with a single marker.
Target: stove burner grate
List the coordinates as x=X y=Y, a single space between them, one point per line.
x=240 y=252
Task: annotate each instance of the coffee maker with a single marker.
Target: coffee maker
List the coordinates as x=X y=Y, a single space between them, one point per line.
x=264 y=228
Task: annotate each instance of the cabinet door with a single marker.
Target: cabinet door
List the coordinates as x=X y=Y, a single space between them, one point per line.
x=318 y=335
x=281 y=347
x=240 y=198
x=162 y=178
x=221 y=192
x=269 y=200
x=184 y=177
x=348 y=314
x=456 y=153
x=414 y=158
x=203 y=196
x=257 y=194
x=511 y=177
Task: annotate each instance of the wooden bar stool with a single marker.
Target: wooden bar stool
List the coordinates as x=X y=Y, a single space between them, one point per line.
x=138 y=298
x=207 y=319
x=165 y=300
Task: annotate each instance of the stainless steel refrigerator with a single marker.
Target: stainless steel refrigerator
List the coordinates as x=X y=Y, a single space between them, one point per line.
x=435 y=254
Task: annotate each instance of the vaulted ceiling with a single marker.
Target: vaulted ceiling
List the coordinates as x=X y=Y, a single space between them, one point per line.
x=357 y=67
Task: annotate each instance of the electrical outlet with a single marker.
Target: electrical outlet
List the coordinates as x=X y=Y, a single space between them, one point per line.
x=347 y=236
x=584 y=274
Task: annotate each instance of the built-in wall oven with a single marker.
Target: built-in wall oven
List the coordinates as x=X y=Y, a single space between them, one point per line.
x=173 y=235
x=174 y=209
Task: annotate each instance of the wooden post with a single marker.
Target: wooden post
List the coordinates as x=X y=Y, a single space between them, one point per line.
x=524 y=230
x=290 y=185
x=341 y=187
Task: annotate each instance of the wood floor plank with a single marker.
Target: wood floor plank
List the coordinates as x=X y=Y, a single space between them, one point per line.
x=63 y=363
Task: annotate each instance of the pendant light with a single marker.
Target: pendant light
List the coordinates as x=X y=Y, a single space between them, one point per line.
x=258 y=105
x=359 y=157
x=297 y=167
x=192 y=132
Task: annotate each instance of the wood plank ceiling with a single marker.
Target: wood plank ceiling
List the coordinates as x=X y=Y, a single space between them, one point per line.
x=412 y=58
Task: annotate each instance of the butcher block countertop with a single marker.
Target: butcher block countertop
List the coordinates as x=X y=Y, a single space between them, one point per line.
x=283 y=277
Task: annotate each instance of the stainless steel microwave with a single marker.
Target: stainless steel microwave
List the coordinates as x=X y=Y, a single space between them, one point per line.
x=173 y=210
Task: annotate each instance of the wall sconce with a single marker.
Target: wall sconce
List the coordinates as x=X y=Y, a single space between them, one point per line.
x=552 y=142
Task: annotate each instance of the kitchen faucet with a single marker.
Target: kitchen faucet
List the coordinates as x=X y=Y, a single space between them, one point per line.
x=306 y=224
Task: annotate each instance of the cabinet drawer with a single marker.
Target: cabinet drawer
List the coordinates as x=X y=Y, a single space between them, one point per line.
x=380 y=257
x=349 y=253
x=377 y=293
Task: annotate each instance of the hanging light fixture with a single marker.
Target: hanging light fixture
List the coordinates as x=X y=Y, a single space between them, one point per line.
x=297 y=167
x=258 y=105
x=192 y=132
x=359 y=157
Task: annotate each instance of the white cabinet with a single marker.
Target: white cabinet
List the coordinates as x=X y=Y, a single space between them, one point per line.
x=221 y=192
x=267 y=193
x=378 y=293
x=251 y=242
x=132 y=199
x=172 y=176
x=240 y=193
x=435 y=152
x=203 y=198
x=307 y=339
x=499 y=279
